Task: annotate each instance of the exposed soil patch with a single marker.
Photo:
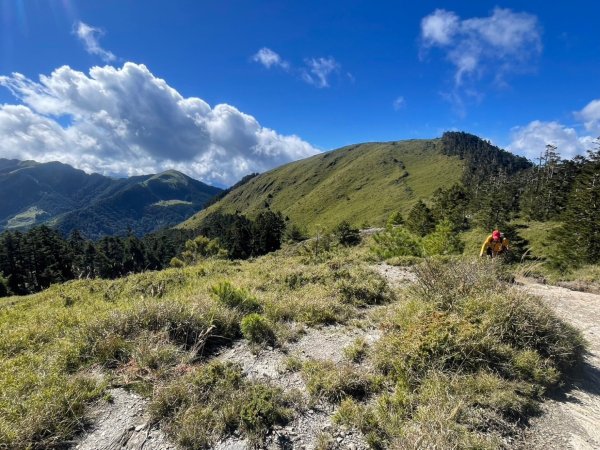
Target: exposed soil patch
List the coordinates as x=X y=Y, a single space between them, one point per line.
x=327 y=344
x=396 y=276
x=123 y=424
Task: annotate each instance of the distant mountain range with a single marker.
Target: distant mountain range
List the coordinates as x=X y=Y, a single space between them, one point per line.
x=59 y=195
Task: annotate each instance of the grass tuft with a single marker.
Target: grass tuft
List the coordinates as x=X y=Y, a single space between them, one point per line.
x=334 y=382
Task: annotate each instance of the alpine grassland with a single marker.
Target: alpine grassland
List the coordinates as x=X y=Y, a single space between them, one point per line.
x=462 y=359
x=326 y=189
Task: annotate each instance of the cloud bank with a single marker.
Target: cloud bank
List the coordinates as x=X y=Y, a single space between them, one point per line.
x=530 y=140
x=126 y=121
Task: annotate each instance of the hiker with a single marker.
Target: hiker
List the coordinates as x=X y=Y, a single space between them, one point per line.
x=495 y=244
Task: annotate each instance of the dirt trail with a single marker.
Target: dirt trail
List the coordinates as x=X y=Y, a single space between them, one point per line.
x=571 y=420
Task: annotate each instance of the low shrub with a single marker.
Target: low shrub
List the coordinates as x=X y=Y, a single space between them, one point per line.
x=397 y=241
x=262 y=407
x=257 y=329
x=215 y=400
x=443 y=241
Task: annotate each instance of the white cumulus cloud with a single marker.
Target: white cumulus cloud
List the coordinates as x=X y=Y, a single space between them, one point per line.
x=126 y=121
x=496 y=45
x=531 y=140
x=590 y=115
x=90 y=36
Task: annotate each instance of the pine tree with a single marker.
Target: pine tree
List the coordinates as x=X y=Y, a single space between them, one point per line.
x=547 y=185
x=267 y=232
x=420 y=220
x=452 y=205
x=346 y=235
x=4 y=290
x=395 y=219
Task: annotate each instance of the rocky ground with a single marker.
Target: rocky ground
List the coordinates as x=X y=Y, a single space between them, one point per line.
x=121 y=422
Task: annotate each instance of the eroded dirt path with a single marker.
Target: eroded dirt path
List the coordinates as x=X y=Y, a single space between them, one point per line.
x=571 y=420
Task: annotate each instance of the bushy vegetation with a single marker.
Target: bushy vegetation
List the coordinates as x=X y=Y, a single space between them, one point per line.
x=334 y=382
x=257 y=329
x=346 y=235
x=464 y=357
x=399 y=241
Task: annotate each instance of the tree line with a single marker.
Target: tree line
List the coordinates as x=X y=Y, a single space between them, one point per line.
x=31 y=261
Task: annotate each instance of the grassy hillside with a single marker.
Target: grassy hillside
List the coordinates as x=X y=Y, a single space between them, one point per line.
x=155 y=333
x=361 y=183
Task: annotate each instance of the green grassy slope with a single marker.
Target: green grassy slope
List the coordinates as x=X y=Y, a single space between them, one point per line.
x=360 y=183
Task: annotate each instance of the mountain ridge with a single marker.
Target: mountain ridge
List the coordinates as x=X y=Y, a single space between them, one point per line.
x=364 y=183
x=67 y=198
x=342 y=184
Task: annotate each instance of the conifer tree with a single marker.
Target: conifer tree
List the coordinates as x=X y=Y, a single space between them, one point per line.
x=452 y=205
x=420 y=219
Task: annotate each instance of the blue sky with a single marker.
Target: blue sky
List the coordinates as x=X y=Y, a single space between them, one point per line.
x=221 y=88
